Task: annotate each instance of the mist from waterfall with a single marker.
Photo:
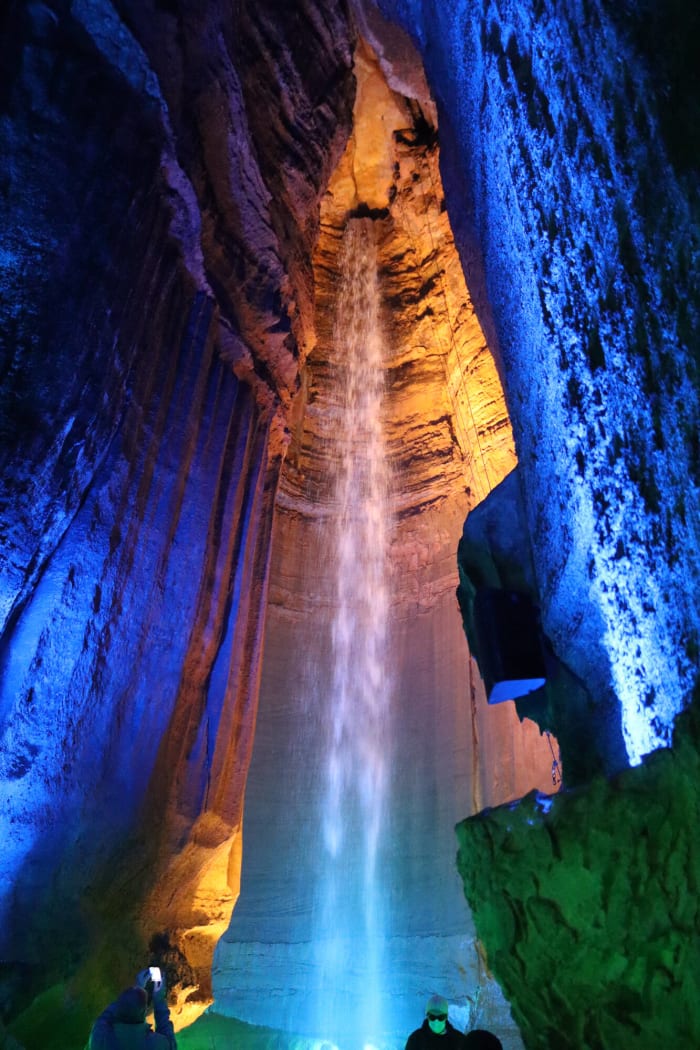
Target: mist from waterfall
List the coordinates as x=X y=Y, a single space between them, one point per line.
x=351 y=899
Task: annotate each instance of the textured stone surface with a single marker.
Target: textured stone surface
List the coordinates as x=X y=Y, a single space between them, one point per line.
x=162 y=164
x=579 y=240
x=496 y=552
x=576 y=219
x=588 y=903
x=448 y=441
x=155 y=308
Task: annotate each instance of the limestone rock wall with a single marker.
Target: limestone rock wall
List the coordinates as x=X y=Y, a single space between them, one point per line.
x=575 y=210
x=588 y=905
x=154 y=315
x=162 y=166
x=445 y=752
x=577 y=229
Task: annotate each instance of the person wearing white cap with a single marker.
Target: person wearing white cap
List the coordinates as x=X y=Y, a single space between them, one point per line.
x=436 y=1032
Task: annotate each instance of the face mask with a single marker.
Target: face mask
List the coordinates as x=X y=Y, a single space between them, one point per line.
x=437 y=1026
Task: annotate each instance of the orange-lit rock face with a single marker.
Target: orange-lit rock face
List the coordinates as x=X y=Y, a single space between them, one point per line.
x=440 y=366
x=447 y=423
x=179 y=460
x=365 y=174
x=449 y=442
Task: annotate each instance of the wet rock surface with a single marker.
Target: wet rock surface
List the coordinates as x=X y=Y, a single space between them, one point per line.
x=447 y=440
x=577 y=231
x=163 y=166
x=156 y=287
x=588 y=905
x=576 y=220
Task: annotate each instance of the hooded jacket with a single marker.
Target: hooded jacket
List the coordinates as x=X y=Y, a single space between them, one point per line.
x=113 y=1031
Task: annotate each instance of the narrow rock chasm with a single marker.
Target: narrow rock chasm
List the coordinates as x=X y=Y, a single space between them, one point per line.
x=436 y=751
x=176 y=180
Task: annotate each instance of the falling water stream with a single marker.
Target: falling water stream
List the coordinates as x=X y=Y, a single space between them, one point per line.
x=351 y=910
x=352 y=895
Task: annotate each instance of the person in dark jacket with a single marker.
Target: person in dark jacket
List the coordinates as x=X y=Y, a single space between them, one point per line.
x=436 y=1032
x=122 y=1026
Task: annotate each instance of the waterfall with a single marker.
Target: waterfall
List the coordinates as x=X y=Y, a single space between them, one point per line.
x=351 y=910
x=352 y=897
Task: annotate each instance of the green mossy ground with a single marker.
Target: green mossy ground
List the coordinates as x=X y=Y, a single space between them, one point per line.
x=55 y=1021
x=588 y=905
x=213 y=1032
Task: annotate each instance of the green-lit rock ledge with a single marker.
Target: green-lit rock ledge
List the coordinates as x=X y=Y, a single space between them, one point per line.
x=587 y=905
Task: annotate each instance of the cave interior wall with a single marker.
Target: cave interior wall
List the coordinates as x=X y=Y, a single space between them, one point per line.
x=157 y=310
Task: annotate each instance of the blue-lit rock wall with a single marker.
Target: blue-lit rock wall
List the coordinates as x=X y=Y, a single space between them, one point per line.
x=160 y=171
x=576 y=215
x=156 y=289
x=572 y=189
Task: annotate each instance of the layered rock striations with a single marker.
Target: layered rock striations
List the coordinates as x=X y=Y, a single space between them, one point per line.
x=156 y=311
x=575 y=211
x=163 y=166
x=448 y=442
x=578 y=239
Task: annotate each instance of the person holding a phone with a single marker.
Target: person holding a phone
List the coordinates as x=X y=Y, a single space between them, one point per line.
x=123 y=1026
